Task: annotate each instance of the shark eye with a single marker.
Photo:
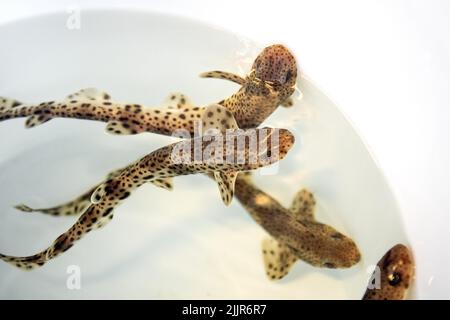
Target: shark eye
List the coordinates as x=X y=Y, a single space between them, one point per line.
x=337 y=235
x=394 y=279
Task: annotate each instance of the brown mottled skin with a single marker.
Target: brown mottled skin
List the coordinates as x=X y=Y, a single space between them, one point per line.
x=294 y=231
x=396 y=271
x=81 y=203
x=270 y=83
x=274 y=72
x=160 y=164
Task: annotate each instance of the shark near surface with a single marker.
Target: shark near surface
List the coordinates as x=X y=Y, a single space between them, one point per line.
x=294 y=232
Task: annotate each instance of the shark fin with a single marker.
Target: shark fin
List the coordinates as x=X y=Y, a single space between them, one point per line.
x=303 y=205
x=165 y=183
x=128 y=127
x=217 y=118
x=89 y=94
x=98 y=194
x=289 y=102
x=36 y=120
x=177 y=100
x=223 y=75
x=278 y=258
x=226 y=181
x=6 y=104
x=117 y=127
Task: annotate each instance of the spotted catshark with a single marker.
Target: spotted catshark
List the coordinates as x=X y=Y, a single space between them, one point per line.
x=295 y=234
x=269 y=84
x=392 y=276
x=170 y=161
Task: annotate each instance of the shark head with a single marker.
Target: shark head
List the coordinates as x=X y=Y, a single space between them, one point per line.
x=325 y=247
x=394 y=271
x=276 y=68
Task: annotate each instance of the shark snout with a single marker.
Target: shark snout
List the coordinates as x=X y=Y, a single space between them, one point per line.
x=344 y=257
x=279 y=142
x=287 y=141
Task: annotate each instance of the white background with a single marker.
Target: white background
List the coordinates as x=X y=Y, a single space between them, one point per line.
x=385 y=63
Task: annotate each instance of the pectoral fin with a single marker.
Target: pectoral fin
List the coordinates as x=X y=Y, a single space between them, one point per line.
x=226 y=183
x=278 y=259
x=223 y=75
x=289 y=102
x=217 y=119
x=303 y=206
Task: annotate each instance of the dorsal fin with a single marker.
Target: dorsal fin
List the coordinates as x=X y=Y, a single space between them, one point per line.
x=303 y=206
x=89 y=94
x=6 y=104
x=218 y=118
x=177 y=100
